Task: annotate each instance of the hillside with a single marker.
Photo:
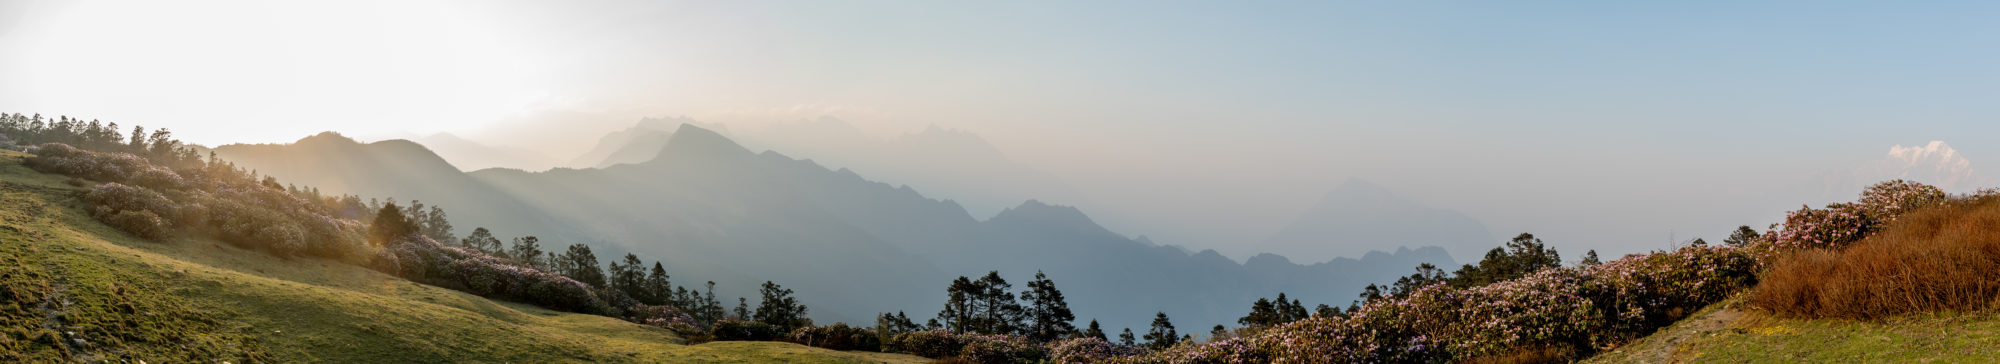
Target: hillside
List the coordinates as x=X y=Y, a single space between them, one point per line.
x=1732 y=332
x=79 y=290
x=709 y=208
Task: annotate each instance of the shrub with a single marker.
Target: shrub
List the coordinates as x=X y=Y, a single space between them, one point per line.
x=999 y=349
x=1568 y=311
x=418 y=258
x=738 y=330
x=928 y=343
x=141 y=223
x=1091 y=350
x=107 y=167
x=132 y=209
x=838 y=336
x=1943 y=257
x=1840 y=224
x=969 y=347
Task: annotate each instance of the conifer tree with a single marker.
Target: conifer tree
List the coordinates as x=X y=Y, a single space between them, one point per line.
x=389 y=225
x=658 y=288
x=527 y=250
x=1162 y=334
x=780 y=309
x=1094 y=331
x=1049 y=314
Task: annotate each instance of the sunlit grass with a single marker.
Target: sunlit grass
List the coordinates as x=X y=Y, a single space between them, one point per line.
x=199 y=300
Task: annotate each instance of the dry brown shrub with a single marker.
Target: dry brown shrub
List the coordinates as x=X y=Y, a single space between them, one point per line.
x=1942 y=258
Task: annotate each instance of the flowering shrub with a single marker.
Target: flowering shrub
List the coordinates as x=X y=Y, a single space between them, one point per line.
x=132 y=209
x=928 y=343
x=104 y=167
x=1890 y=199
x=1000 y=349
x=979 y=348
x=739 y=330
x=141 y=223
x=1841 y=224
x=838 y=336
x=421 y=259
x=1575 y=308
x=1089 y=350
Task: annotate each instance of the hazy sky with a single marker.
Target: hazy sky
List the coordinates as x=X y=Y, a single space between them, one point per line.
x=1605 y=125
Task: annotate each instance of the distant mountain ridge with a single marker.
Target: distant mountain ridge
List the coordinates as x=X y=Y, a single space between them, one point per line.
x=710 y=209
x=949 y=164
x=1358 y=215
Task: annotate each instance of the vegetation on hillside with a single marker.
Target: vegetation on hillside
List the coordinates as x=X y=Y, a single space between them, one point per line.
x=1901 y=248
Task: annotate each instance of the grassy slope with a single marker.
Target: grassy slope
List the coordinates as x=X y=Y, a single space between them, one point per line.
x=1732 y=332
x=71 y=288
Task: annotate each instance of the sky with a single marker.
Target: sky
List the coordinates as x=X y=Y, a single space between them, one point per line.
x=1616 y=126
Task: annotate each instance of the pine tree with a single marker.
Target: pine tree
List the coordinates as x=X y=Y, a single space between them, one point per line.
x=780 y=309
x=1126 y=338
x=742 y=308
x=438 y=227
x=527 y=250
x=960 y=297
x=1590 y=258
x=1262 y=313
x=1523 y=255
x=1162 y=335
x=1094 y=331
x=1741 y=237
x=1326 y=311
x=1371 y=293
x=583 y=266
x=658 y=288
x=1049 y=314
x=389 y=225
x=480 y=240
x=630 y=278
x=1001 y=314
x=1218 y=333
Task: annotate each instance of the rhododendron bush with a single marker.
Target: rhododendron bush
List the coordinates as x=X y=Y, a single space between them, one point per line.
x=151 y=201
x=837 y=336
x=1578 y=309
x=1840 y=224
x=421 y=259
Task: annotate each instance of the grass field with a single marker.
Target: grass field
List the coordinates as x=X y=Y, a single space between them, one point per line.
x=1733 y=332
x=72 y=289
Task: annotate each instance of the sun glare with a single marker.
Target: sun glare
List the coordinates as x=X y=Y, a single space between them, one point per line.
x=422 y=67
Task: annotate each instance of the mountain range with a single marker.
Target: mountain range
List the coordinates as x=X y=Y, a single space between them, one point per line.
x=1357 y=215
x=710 y=209
x=947 y=164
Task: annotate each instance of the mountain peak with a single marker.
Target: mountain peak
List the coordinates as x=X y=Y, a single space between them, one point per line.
x=326 y=137
x=1035 y=212
x=690 y=140
x=1934 y=163
x=1937 y=155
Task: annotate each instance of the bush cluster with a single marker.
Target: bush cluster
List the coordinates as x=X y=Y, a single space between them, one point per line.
x=978 y=348
x=151 y=201
x=837 y=336
x=1840 y=224
x=421 y=259
x=1574 y=309
x=1943 y=257
x=135 y=210
x=1091 y=350
x=739 y=330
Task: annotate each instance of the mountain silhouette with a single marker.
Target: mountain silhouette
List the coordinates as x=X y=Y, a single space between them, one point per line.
x=710 y=209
